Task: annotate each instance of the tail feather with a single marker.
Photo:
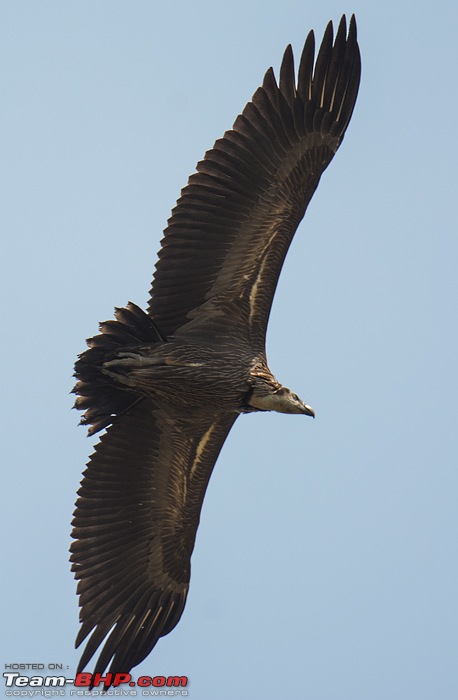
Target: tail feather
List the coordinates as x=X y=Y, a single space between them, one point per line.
x=98 y=396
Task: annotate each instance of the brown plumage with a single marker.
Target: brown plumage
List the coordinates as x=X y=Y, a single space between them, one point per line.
x=169 y=384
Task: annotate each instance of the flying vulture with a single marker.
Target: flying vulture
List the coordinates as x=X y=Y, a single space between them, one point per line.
x=168 y=384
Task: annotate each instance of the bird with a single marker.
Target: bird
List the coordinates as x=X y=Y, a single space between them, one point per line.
x=167 y=384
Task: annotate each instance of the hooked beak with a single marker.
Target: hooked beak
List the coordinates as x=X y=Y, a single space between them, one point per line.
x=308 y=411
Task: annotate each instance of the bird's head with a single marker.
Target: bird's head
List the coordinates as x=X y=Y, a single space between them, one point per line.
x=266 y=397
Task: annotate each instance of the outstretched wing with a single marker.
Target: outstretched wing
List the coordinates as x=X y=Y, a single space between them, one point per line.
x=228 y=235
x=135 y=525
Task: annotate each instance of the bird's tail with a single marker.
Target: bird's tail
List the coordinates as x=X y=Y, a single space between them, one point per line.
x=100 y=398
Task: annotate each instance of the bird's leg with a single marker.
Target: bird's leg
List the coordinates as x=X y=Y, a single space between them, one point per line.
x=132 y=360
x=132 y=367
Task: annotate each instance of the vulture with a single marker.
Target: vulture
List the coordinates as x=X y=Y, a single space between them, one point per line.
x=167 y=385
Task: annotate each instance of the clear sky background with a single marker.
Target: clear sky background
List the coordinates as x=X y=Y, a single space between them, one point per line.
x=326 y=561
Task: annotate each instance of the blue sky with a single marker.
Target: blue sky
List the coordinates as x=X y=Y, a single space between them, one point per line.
x=326 y=562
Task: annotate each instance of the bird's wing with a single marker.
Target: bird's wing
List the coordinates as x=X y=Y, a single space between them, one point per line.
x=228 y=235
x=135 y=525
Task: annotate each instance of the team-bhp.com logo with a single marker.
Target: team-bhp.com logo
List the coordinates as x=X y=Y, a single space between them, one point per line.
x=111 y=684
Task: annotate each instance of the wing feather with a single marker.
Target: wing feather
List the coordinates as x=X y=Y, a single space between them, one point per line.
x=228 y=235
x=134 y=527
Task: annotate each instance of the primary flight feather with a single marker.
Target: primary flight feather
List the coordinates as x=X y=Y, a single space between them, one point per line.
x=169 y=384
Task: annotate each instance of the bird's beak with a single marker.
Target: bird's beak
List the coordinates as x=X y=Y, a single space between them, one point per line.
x=308 y=411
